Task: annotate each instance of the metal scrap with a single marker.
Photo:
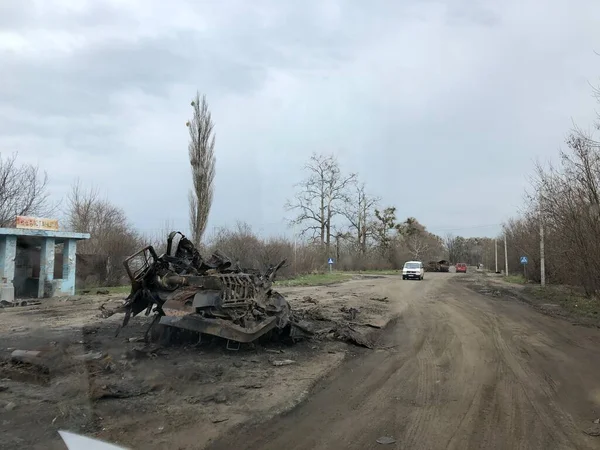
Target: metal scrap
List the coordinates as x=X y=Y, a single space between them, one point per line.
x=210 y=296
x=437 y=266
x=349 y=334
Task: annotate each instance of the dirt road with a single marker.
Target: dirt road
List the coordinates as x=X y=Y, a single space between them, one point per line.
x=462 y=370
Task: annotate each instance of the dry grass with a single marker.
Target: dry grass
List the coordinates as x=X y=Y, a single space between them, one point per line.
x=317 y=279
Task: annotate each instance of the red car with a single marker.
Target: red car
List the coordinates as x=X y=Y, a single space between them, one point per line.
x=461 y=267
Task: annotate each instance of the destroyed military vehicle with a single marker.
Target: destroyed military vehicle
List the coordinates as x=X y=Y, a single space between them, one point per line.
x=211 y=296
x=438 y=266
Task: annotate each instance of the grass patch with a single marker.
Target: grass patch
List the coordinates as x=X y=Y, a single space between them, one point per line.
x=377 y=272
x=575 y=304
x=515 y=279
x=111 y=290
x=570 y=299
x=316 y=279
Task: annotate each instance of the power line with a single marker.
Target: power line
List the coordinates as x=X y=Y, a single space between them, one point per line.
x=465 y=228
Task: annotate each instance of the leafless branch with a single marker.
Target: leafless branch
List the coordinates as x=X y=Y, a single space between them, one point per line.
x=320 y=197
x=111 y=234
x=23 y=191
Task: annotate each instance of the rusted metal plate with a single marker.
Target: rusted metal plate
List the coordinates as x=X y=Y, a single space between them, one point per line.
x=221 y=328
x=175 y=312
x=181 y=300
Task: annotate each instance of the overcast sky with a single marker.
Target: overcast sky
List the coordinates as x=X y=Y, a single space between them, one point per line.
x=441 y=107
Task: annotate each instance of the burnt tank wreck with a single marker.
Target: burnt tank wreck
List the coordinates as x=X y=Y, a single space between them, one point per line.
x=206 y=297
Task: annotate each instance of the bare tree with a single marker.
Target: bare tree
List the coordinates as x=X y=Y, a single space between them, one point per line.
x=112 y=237
x=568 y=196
x=417 y=246
x=468 y=250
x=415 y=237
x=81 y=209
x=320 y=197
x=23 y=190
x=451 y=243
x=157 y=238
x=202 y=159
x=359 y=213
x=241 y=244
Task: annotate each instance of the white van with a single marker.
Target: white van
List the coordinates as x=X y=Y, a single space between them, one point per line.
x=413 y=269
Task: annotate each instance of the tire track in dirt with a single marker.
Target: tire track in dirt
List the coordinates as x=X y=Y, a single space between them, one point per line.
x=428 y=378
x=504 y=393
x=426 y=399
x=468 y=377
x=490 y=417
x=524 y=389
x=474 y=378
x=465 y=373
x=532 y=386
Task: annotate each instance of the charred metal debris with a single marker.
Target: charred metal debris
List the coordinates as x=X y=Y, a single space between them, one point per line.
x=211 y=296
x=438 y=266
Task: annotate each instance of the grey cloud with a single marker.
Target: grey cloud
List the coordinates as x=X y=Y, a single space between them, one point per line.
x=445 y=100
x=13 y=16
x=83 y=83
x=26 y=14
x=472 y=13
x=234 y=61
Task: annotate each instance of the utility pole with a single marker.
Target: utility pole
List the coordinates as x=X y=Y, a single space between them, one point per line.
x=496 y=253
x=295 y=251
x=505 y=256
x=485 y=260
x=542 y=256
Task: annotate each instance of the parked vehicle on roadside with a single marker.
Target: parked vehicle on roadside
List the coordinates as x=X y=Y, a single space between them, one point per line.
x=437 y=266
x=414 y=270
x=461 y=268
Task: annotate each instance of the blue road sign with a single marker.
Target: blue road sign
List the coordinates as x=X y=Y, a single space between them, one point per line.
x=330 y=261
x=524 y=260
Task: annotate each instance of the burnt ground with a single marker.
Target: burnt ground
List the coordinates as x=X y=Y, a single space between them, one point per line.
x=124 y=391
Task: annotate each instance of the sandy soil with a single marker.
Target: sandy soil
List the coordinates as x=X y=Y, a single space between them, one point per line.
x=119 y=389
x=462 y=370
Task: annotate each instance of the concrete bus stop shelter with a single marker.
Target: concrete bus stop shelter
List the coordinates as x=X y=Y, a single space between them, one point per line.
x=13 y=239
